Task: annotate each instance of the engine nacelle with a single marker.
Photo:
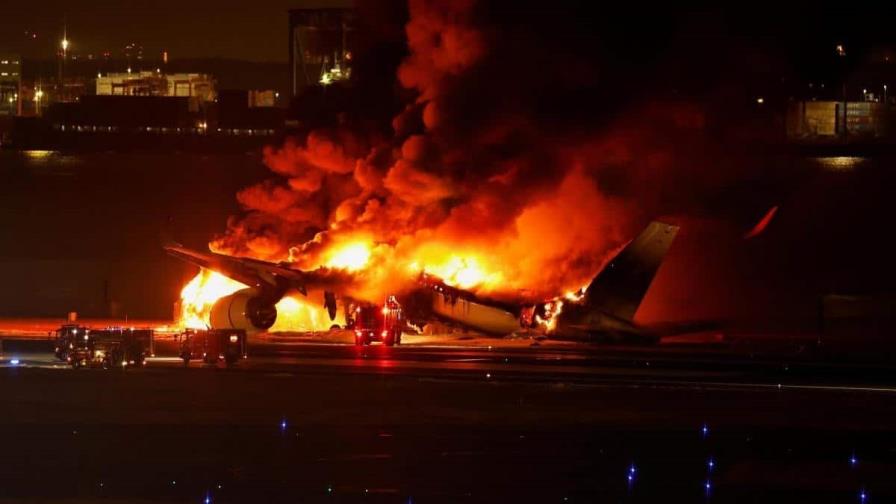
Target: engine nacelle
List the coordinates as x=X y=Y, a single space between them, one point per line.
x=243 y=309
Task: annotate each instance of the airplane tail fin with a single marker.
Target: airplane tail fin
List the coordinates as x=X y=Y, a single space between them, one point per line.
x=619 y=288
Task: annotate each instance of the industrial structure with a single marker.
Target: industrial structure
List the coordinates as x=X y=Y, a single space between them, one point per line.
x=200 y=87
x=10 y=85
x=818 y=121
x=320 y=47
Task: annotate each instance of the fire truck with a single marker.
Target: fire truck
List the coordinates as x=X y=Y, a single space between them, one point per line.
x=113 y=347
x=66 y=337
x=213 y=345
x=377 y=323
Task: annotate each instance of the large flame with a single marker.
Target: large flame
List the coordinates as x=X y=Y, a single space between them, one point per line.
x=351 y=257
x=465 y=272
x=472 y=184
x=294 y=313
x=200 y=294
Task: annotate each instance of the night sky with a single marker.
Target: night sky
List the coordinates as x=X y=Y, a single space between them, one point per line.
x=254 y=31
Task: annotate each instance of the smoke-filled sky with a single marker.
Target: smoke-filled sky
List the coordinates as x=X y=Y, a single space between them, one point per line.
x=527 y=141
x=532 y=142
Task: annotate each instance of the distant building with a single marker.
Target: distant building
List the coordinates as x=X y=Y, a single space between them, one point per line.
x=199 y=87
x=320 y=47
x=824 y=120
x=263 y=98
x=10 y=84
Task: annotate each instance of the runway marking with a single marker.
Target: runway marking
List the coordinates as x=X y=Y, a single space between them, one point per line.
x=830 y=388
x=280 y=375
x=741 y=385
x=357 y=456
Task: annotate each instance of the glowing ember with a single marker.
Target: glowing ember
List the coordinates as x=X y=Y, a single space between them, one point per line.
x=575 y=296
x=551 y=310
x=200 y=294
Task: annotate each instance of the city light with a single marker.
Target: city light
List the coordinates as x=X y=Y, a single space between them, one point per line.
x=65 y=44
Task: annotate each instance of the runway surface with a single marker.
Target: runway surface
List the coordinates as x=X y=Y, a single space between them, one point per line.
x=312 y=422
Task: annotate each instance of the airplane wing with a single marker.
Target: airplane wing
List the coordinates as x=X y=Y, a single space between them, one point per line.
x=252 y=272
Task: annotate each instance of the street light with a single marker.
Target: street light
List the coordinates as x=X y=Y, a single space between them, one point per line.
x=37 y=96
x=64 y=44
x=841 y=54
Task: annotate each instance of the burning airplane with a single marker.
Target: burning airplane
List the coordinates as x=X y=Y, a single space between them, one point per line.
x=466 y=202
x=249 y=292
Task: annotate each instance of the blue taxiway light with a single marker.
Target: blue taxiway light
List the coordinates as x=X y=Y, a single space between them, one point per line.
x=710 y=464
x=704 y=431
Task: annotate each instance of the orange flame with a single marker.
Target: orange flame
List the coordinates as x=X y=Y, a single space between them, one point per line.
x=352 y=257
x=200 y=294
x=297 y=314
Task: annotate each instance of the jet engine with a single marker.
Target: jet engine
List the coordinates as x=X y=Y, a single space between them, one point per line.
x=244 y=309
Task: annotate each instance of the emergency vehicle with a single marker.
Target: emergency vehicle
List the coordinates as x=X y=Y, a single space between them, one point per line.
x=213 y=345
x=377 y=323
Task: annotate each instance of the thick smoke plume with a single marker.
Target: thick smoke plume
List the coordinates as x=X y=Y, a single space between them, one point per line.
x=509 y=158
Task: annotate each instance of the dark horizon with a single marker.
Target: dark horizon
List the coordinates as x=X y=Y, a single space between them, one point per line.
x=201 y=29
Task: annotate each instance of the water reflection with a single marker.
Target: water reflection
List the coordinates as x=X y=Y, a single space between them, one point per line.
x=840 y=163
x=39 y=154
